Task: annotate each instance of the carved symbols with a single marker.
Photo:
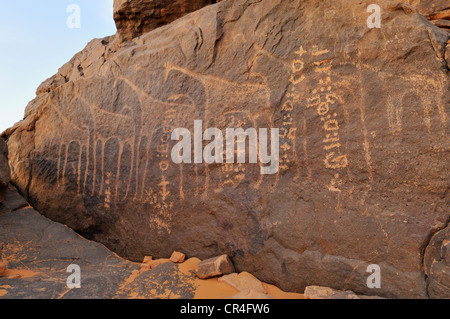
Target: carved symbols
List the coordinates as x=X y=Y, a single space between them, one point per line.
x=324 y=101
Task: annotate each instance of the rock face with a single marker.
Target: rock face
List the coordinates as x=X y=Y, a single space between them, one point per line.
x=437 y=264
x=364 y=147
x=437 y=11
x=136 y=17
x=4 y=169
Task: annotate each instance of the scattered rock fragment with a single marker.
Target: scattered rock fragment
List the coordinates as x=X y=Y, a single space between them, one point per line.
x=244 y=282
x=214 y=267
x=177 y=257
x=251 y=294
x=317 y=292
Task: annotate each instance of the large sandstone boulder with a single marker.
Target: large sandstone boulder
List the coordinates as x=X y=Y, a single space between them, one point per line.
x=364 y=147
x=136 y=17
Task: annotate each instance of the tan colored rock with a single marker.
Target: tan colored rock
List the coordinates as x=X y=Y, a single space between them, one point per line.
x=317 y=292
x=443 y=15
x=214 y=267
x=147 y=260
x=244 y=282
x=444 y=24
x=251 y=294
x=177 y=257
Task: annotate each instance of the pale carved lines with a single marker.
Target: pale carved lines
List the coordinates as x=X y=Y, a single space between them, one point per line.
x=394 y=114
x=93 y=138
x=288 y=129
x=417 y=83
x=348 y=85
x=218 y=89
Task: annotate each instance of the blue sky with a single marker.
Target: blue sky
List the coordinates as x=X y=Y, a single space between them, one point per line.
x=35 y=42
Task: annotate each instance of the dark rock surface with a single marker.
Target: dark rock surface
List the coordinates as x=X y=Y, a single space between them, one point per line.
x=437 y=263
x=5 y=176
x=363 y=118
x=38 y=252
x=136 y=17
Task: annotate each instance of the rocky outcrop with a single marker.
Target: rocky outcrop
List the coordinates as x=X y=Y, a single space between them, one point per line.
x=5 y=176
x=363 y=119
x=437 y=263
x=134 y=18
x=437 y=11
